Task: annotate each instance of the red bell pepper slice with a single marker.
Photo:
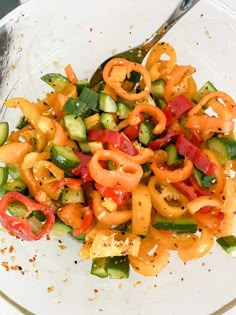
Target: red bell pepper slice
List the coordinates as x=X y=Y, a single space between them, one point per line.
x=119 y=196
x=192 y=152
x=19 y=226
x=82 y=168
x=176 y=108
x=132 y=132
x=72 y=183
x=163 y=141
x=196 y=138
x=87 y=221
x=113 y=137
x=200 y=191
x=186 y=190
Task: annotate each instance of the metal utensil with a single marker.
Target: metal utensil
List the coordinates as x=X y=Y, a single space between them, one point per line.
x=138 y=53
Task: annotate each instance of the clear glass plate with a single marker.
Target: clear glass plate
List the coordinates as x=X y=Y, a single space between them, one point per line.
x=44 y=36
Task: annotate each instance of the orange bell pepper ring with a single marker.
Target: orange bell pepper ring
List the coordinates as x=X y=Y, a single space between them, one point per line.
x=155 y=112
x=105 y=216
x=227 y=103
x=225 y=108
x=144 y=155
x=157 y=66
x=115 y=73
x=146 y=264
x=177 y=76
x=171 y=176
x=126 y=176
x=213 y=124
x=202 y=201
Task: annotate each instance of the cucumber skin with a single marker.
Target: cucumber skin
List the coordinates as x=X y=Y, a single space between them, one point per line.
x=4 y=131
x=75 y=127
x=61 y=159
x=224 y=148
x=181 y=225
x=57 y=81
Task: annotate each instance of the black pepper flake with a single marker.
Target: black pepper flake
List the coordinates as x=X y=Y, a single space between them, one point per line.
x=76 y=262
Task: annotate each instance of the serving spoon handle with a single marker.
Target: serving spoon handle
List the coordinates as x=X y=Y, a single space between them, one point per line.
x=138 y=53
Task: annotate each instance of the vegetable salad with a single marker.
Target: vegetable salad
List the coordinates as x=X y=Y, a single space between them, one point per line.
x=138 y=166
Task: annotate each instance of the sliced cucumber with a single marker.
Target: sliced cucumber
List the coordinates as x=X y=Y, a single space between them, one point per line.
x=146 y=170
x=84 y=146
x=106 y=103
x=60 y=228
x=64 y=157
x=179 y=225
x=108 y=121
x=72 y=196
x=14 y=170
x=158 y=88
x=204 y=90
x=80 y=237
x=204 y=180
x=90 y=98
x=122 y=111
x=82 y=84
x=145 y=132
x=228 y=243
x=75 y=127
x=22 y=123
x=99 y=267
x=160 y=102
x=3 y=175
x=57 y=81
x=75 y=107
x=224 y=148
x=172 y=154
x=118 y=267
x=4 y=131
x=15 y=185
x=17 y=209
x=2 y=192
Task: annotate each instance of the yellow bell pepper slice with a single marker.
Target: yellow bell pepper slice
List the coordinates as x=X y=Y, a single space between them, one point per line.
x=167 y=200
x=141 y=210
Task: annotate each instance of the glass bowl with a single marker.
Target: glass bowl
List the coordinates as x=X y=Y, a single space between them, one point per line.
x=47 y=276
